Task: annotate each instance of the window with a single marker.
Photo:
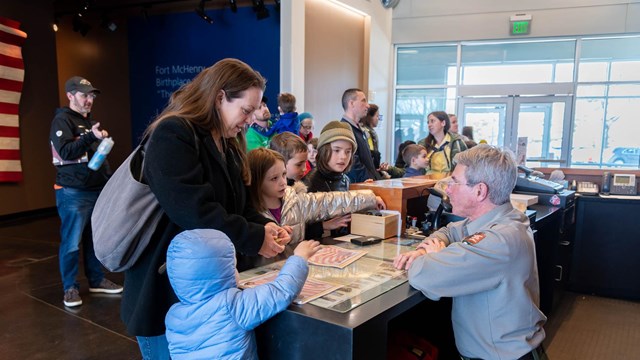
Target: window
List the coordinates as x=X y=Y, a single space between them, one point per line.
x=412 y=109
x=575 y=110
x=518 y=63
x=607 y=103
x=430 y=65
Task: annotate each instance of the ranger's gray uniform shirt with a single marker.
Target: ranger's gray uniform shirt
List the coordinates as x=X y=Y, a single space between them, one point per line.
x=489 y=268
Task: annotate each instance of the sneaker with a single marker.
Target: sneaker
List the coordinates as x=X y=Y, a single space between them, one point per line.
x=72 y=298
x=108 y=287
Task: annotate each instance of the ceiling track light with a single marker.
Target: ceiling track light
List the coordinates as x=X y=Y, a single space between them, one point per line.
x=203 y=14
x=234 y=6
x=84 y=8
x=80 y=25
x=260 y=9
x=145 y=12
x=107 y=23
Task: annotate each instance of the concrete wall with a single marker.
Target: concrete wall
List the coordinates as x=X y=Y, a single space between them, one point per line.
x=334 y=59
x=416 y=21
x=299 y=74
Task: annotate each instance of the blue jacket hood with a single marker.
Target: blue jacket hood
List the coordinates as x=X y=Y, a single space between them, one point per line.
x=200 y=264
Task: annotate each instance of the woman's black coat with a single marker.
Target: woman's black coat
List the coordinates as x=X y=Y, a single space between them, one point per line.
x=197 y=189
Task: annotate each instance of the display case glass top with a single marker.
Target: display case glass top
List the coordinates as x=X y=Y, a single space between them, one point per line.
x=365 y=279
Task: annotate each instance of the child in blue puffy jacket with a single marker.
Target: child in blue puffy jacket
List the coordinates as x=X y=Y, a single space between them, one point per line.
x=214 y=318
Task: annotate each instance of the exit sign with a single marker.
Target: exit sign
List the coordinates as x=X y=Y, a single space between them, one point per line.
x=520 y=24
x=520 y=27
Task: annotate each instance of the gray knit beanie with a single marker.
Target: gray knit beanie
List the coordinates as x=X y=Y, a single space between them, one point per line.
x=337 y=130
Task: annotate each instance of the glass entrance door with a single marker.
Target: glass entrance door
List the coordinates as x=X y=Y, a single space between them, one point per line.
x=542 y=120
x=487 y=118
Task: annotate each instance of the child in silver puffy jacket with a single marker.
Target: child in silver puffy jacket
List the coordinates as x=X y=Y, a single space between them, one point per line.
x=292 y=206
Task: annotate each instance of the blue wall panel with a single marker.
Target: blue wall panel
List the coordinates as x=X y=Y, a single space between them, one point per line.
x=166 y=51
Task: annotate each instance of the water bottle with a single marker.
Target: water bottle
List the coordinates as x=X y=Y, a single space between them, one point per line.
x=101 y=154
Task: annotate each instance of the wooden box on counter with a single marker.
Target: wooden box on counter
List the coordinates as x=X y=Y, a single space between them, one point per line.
x=396 y=192
x=384 y=226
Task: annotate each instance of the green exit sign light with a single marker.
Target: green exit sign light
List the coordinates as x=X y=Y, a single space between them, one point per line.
x=520 y=27
x=520 y=24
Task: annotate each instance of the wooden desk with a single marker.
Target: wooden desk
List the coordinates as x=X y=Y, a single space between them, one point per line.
x=396 y=192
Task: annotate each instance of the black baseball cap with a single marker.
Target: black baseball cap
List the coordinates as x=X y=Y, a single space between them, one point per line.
x=78 y=83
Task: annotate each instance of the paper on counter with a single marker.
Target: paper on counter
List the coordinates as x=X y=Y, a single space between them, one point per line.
x=347 y=237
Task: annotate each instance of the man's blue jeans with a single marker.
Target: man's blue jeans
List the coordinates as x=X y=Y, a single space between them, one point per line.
x=75 y=208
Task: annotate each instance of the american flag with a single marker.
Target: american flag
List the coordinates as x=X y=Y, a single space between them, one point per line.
x=11 y=77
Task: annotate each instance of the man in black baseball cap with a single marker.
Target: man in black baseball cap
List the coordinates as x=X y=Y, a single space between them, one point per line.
x=80 y=84
x=74 y=138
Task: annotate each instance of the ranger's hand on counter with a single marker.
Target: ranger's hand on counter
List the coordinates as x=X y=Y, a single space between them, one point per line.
x=403 y=261
x=431 y=245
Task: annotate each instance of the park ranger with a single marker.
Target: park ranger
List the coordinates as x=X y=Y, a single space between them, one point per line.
x=486 y=263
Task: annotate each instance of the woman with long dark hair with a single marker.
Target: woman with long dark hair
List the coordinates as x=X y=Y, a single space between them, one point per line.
x=442 y=145
x=195 y=164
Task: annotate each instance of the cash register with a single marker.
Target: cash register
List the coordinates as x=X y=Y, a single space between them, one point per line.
x=531 y=181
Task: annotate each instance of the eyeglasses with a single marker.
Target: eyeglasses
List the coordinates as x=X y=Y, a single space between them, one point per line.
x=310 y=127
x=87 y=96
x=452 y=183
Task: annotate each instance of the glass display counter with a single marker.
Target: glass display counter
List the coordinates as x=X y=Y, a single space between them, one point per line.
x=366 y=278
x=351 y=320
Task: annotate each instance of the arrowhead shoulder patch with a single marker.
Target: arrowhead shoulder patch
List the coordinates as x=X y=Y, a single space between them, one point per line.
x=474 y=238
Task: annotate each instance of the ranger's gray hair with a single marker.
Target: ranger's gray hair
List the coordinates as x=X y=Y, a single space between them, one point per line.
x=492 y=166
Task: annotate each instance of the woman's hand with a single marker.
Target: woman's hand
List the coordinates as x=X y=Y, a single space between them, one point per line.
x=380 y=203
x=384 y=167
x=284 y=235
x=336 y=222
x=270 y=246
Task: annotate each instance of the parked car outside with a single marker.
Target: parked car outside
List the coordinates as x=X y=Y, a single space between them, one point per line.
x=625 y=156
